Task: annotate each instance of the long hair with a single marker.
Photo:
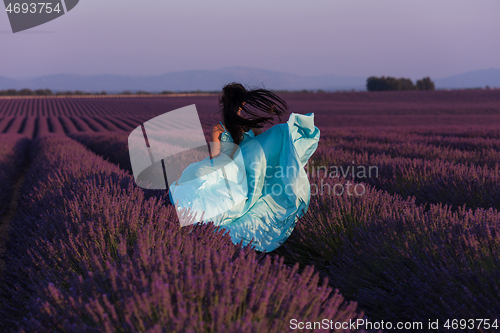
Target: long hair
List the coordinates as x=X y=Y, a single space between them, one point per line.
x=235 y=95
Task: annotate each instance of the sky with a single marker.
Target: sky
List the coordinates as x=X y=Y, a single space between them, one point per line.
x=401 y=38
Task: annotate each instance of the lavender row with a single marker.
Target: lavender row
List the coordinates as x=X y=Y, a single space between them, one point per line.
x=112 y=146
x=460 y=139
x=411 y=149
x=463 y=143
x=474 y=132
x=89 y=253
x=13 y=151
x=398 y=261
x=389 y=134
x=39 y=126
x=429 y=181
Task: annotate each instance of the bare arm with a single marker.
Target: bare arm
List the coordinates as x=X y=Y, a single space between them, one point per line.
x=215 y=144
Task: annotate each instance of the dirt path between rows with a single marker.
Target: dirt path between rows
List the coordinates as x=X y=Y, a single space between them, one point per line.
x=9 y=215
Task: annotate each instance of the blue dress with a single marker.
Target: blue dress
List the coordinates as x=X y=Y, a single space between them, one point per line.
x=256 y=190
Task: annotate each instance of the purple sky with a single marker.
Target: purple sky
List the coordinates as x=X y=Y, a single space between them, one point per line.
x=402 y=38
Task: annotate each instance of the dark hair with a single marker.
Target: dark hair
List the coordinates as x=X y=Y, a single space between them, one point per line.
x=232 y=98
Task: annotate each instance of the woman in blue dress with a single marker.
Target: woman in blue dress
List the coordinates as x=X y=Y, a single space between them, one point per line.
x=254 y=183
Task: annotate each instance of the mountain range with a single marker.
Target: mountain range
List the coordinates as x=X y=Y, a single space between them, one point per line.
x=207 y=80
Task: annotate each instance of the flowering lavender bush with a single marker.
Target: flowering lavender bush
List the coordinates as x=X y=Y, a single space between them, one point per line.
x=15 y=126
x=4 y=123
x=28 y=127
x=88 y=253
x=430 y=181
x=112 y=146
x=55 y=125
x=13 y=150
x=399 y=261
x=422 y=150
x=42 y=126
x=108 y=124
x=93 y=124
x=81 y=125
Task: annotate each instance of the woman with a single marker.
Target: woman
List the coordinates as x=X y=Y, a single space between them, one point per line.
x=254 y=183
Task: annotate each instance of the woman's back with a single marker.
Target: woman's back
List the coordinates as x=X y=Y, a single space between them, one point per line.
x=226 y=136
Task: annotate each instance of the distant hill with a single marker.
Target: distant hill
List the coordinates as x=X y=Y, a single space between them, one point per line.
x=188 y=81
x=214 y=80
x=473 y=79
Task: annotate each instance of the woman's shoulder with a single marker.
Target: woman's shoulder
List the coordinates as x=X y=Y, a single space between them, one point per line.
x=218 y=128
x=257 y=130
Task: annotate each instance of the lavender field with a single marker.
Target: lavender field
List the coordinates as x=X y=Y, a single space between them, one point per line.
x=86 y=250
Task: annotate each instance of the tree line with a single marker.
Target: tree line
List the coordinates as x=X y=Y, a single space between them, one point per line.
x=48 y=92
x=373 y=84
x=44 y=92
x=383 y=83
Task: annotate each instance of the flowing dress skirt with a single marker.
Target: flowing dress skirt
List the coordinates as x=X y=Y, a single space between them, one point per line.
x=259 y=193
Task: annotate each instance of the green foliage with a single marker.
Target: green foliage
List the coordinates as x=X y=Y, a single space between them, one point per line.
x=43 y=92
x=383 y=83
x=406 y=84
x=25 y=92
x=425 y=84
